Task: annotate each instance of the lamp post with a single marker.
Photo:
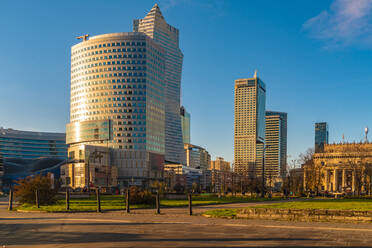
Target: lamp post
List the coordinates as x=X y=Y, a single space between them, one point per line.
x=263 y=170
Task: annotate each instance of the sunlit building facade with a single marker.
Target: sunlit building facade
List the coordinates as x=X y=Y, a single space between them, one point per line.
x=220 y=164
x=117 y=102
x=197 y=157
x=167 y=36
x=249 y=126
x=276 y=143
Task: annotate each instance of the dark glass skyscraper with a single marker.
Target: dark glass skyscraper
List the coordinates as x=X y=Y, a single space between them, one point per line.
x=321 y=135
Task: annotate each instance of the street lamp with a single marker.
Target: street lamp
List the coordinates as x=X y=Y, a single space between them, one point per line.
x=263 y=170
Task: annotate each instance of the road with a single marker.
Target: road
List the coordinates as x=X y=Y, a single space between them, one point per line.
x=173 y=228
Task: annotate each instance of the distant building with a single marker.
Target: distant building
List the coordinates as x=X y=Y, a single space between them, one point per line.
x=249 y=134
x=187 y=177
x=24 y=153
x=276 y=141
x=321 y=135
x=197 y=157
x=185 y=121
x=220 y=164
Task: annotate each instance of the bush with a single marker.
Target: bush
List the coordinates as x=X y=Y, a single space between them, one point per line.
x=138 y=196
x=25 y=190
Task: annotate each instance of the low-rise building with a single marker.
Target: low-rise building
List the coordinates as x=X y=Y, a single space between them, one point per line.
x=197 y=157
x=220 y=164
x=340 y=168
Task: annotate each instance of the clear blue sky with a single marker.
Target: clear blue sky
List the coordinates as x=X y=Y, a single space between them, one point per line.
x=315 y=57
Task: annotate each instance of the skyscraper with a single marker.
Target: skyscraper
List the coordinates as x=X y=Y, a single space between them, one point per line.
x=276 y=141
x=185 y=121
x=249 y=127
x=117 y=102
x=321 y=136
x=167 y=36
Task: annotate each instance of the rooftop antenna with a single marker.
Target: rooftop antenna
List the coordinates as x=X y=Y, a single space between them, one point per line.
x=366 y=133
x=84 y=37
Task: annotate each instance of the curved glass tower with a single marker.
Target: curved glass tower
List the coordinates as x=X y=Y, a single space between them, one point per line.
x=117 y=102
x=167 y=36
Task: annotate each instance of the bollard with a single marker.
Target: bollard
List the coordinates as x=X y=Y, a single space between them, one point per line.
x=98 y=201
x=127 y=201
x=190 y=203
x=157 y=203
x=10 y=199
x=37 y=198
x=67 y=199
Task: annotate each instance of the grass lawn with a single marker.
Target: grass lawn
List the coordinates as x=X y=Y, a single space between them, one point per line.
x=337 y=204
x=117 y=202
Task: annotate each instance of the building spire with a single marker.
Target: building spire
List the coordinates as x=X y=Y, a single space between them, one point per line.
x=255 y=73
x=155 y=10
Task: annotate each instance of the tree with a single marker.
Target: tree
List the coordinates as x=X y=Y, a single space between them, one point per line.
x=25 y=189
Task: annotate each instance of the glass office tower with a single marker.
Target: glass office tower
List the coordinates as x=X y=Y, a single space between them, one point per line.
x=117 y=102
x=167 y=36
x=249 y=129
x=185 y=120
x=321 y=136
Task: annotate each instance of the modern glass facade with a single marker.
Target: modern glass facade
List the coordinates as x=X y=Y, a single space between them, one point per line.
x=167 y=36
x=321 y=136
x=185 y=121
x=276 y=143
x=249 y=126
x=118 y=101
x=24 y=153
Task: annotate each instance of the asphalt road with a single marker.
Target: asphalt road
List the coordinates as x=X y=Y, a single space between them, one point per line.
x=173 y=228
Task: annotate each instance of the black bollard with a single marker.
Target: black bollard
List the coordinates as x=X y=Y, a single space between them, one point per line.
x=67 y=199
x=157 y=203
x=190 y=203
x=98 y=201
x=10 y=199
x=127 y=201
x=37 y=198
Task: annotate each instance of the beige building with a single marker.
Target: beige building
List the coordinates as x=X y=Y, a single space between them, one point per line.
x=249 y=126
x=276 y=143
x=340 y=168
x=220 y=164
x=197 y=157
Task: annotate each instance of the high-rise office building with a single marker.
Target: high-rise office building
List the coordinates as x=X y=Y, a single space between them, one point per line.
x=321 y=136
x=117 y=101
x=249 y=129
x=167 y=36
x=185 y=121
x=276 y=143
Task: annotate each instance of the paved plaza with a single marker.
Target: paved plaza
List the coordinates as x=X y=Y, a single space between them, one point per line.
x=173 y=228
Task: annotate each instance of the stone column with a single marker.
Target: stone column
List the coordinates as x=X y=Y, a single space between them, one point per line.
x=353 y=181
x=343 y=179
x=335 y=181
x=305 y=179
x=326 y=180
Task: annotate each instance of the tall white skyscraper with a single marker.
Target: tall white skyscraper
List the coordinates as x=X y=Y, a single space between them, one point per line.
x=167 y=36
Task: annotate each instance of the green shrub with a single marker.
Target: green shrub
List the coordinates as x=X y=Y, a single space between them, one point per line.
x=25 y=190
x=138 y=196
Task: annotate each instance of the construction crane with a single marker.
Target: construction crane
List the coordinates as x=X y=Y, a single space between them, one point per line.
x=84 y=37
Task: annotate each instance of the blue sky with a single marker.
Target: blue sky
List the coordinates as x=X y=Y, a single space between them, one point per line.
x=315 y=57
